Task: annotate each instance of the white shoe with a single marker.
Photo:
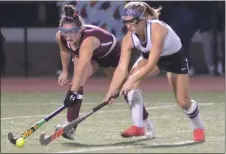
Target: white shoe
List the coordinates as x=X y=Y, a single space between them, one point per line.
x=149 y=129
x=70 y=134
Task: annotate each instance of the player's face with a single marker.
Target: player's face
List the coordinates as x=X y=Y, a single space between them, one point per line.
x=70 y=32
x=131 y=23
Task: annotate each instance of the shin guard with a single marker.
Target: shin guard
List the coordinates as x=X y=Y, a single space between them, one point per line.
x=73 y=111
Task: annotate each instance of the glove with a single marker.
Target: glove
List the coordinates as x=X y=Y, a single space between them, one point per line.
x=71 y=98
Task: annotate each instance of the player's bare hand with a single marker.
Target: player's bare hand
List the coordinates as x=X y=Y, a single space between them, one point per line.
x=110 y=98
x=62 y=79
x=107 y=98
x=127 y=87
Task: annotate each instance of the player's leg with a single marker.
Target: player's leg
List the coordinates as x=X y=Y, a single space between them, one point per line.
x=73 y=111
x=176 y=66
x=139 y=114
x=180 y=84
x=109 y=71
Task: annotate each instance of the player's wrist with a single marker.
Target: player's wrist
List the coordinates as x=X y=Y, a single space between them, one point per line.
x=65 y=71
x=112 y=93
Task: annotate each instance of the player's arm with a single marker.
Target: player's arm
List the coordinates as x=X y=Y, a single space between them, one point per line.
x=121 y=71
x=64 y=54
x=85 y=55
x=158 y=34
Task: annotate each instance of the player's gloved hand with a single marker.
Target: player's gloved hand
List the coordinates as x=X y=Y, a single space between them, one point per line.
x=71 y=98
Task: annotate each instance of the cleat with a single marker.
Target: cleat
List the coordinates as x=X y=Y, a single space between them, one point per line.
x=199 y=135
x=69 y=134
x=133 y=131
x=149 y=129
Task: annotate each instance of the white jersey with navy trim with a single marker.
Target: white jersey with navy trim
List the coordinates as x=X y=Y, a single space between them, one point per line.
x=172 y=43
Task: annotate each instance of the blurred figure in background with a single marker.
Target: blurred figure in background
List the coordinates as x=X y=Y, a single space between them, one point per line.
x=206 y=32
x=182 y=17
x=212 y=32
x=207 y=18
x=183 y=20
x=220 y=37
x=2 y=54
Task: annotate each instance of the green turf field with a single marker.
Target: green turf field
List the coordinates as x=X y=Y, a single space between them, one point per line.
x=100 y=132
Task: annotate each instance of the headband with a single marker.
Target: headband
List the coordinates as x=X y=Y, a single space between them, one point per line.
x=133 y=12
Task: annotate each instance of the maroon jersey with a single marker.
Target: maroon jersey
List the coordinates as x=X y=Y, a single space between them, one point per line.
x=109 y=48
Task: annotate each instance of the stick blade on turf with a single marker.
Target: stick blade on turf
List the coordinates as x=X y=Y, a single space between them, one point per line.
x=43 y=139
x=11 y=138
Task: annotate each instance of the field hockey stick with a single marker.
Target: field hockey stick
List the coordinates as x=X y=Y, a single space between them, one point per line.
x=45 y=139
x=32 y=129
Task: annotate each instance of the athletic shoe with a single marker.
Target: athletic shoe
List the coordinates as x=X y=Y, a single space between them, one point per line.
x=149 y=129
x=133 y=131
x=199 y=135
x=69 y=134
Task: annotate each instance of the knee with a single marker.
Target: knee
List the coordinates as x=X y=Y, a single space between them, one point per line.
x=184 y=102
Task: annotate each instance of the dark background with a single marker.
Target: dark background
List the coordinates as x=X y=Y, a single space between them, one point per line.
x=27 y=58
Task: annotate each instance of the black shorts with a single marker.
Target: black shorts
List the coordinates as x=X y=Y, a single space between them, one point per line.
x=175 y=63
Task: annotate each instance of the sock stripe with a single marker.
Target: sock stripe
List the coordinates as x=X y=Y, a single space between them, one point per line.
x=194 y=116
x=194 y=113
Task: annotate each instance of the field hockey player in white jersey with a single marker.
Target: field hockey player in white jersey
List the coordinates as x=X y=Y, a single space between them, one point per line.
x=160 y=51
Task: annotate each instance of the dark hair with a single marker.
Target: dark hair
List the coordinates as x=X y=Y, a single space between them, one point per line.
x=142 y=6
x=70 y=15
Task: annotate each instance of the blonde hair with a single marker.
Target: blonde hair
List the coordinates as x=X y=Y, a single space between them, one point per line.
x=70 y=15
x=144 y=7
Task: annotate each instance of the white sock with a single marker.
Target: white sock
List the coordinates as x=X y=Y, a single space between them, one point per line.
x=193 y=114
x=135 y=101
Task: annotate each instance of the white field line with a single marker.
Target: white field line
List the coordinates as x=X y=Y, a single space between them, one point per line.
x=41 y=103
x=85 y=150
x=95 y=149
x=149 y=108
x=90 y=103
x=199 y=103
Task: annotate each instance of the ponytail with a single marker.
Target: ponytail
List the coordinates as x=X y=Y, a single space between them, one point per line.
x=154 y=12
